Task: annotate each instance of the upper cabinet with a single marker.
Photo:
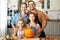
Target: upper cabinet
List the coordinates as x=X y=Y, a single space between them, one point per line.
x=40 y=4
x=54 y=4
x=47 y=4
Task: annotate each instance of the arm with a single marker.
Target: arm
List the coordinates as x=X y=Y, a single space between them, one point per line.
x=43 y=18
x=13 y=27
x=14 y=34
x=38 y=30
x=14 y=21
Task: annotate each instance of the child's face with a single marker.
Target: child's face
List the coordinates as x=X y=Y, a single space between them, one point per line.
x=32 y=17
x=20 y=24
x=23 y=8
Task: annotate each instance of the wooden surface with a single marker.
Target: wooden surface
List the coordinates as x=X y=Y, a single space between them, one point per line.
x=47 y=38
x=28 y=39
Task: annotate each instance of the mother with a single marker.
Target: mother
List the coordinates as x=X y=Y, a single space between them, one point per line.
x=22 y=14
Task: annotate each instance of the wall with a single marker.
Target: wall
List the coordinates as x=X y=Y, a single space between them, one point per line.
x=53 y=28
x=54 y=14
x=0 y=12
x=3 y=17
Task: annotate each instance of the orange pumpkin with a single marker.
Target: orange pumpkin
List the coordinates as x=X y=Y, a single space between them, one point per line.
x=29 y=33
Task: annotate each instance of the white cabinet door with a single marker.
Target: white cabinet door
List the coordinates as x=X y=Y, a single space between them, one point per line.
x=54 y=4
x=53 y=28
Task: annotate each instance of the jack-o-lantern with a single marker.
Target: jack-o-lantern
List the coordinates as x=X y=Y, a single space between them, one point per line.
x=29 y=33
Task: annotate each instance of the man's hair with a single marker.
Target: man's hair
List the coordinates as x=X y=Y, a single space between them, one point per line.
x=24 y=3
x=31 y=1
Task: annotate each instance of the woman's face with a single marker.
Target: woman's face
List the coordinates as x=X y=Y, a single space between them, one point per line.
x=23 y=7
x=20 y=24
x=31 y=17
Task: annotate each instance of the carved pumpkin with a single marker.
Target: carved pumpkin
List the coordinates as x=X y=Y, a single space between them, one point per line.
x=29 y=33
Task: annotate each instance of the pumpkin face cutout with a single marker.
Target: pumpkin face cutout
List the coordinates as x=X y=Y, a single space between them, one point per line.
x=29 y=33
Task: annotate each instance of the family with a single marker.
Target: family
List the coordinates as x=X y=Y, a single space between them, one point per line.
x=34 y=18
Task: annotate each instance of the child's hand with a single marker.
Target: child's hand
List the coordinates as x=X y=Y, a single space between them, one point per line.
x=14 y=37
x=20 y=37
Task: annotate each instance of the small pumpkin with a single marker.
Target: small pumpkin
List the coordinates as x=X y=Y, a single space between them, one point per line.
x=29 y=33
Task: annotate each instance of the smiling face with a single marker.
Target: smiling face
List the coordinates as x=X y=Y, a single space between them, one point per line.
x=23 y=7
x=31 y=17
x=20 y=23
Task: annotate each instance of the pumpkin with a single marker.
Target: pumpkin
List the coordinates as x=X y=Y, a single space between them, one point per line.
x=29 y=33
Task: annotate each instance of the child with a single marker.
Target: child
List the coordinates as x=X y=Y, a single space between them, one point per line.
x=19 y=33
x=33 y=24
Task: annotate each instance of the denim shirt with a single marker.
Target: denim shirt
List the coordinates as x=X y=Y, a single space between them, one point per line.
x=18 y=15
x=33 y=27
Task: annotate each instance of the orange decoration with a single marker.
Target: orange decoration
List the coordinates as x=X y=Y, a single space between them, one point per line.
x=29 y=33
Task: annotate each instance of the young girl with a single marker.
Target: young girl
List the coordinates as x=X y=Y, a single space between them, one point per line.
x=33 y=24
x=19 y=33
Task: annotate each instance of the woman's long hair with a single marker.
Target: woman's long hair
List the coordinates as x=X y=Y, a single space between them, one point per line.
x=34 y=16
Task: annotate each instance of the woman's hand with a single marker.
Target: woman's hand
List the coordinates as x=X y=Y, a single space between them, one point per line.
x=38 y=33
x=39 y=30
